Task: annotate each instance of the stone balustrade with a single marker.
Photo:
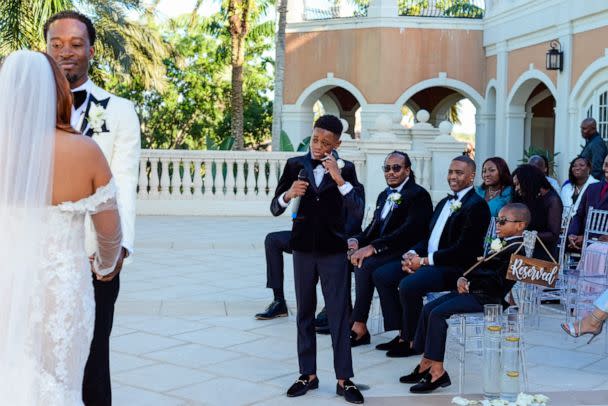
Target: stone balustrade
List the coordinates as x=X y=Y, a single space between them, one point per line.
x=242 y=183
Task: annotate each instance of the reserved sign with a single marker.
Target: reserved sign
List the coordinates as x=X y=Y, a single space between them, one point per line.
x=532 y=270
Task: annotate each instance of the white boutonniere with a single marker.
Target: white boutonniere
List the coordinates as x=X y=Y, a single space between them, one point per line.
x=497 y=245
x=395 y=199
x=455 y=205
x=96 y=117
x=340 y=163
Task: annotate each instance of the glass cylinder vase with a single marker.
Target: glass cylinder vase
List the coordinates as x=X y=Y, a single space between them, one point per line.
x=491 y=350
x=511 y=368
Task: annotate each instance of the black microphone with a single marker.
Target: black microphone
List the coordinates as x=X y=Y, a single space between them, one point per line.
x=296 y=201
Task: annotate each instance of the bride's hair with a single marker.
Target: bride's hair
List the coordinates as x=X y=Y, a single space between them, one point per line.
x=64 y=98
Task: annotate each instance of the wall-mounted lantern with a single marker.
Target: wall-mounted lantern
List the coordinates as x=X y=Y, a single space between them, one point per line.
x=555 y=57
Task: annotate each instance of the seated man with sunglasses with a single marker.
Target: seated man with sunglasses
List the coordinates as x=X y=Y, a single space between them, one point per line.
x=403 y=212
x=486 y=284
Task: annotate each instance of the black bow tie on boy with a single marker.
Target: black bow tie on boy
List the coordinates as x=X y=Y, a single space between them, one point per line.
x=79 y=98
x=452 y=196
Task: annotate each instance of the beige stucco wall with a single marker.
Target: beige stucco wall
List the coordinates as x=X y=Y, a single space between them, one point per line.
x=588 y=46
x=520 y=60
x=382 y=62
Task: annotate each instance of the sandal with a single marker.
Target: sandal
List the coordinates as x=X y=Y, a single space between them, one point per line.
x=570 y=328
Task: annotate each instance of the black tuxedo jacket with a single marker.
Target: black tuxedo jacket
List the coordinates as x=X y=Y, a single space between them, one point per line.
x=324 y=215
x=591 y=198
x=403 y=226
x=489 y=281
x=463 y=236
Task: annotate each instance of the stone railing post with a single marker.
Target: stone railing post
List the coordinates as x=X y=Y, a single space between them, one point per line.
x=423 y=133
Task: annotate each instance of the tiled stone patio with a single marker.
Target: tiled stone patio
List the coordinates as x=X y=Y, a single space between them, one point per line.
x=185 y=333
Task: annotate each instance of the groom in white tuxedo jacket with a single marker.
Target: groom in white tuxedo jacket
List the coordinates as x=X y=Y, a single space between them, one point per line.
x=113 y=123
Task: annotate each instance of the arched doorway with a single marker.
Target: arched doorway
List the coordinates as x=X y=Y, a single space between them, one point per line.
x=530 y=118
x=330 y=95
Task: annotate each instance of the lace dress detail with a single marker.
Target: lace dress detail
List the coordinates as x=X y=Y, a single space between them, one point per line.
x=67 y=315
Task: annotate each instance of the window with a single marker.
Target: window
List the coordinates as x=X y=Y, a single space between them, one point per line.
x=598 y=109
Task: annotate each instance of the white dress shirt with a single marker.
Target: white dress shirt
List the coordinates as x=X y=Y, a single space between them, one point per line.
x=445 y=214
x=78 y=114
x=319 y=172
x=388 y=205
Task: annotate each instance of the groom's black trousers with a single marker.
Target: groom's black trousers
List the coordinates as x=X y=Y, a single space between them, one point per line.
x=96 y=388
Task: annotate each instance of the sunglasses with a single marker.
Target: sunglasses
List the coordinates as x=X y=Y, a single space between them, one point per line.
x=503 y=220
x=395 y=168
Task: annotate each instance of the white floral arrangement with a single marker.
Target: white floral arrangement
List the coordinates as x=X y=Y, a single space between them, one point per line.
x=497 y=245
x=340 y=163
x=523 y=399
x=96 y=117
x=455 y=205
x=395 y=199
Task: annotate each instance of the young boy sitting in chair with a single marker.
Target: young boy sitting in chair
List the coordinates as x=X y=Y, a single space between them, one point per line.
x=486 y=284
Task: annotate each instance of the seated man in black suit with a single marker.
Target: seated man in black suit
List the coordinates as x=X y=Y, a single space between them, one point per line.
x=457 y=232
x=402 y=210
x=330 y=194
x=483 y=285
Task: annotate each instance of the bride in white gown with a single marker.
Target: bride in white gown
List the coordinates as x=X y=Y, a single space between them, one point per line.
x=50 y=179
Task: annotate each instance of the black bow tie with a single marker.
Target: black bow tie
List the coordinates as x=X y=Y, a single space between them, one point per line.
x=316 y=162
x=79 y=98
x=390 y=190
x=452 y=196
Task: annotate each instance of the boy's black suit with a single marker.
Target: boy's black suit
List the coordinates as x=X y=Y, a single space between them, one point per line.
x=319 y=246
x=404 y=225
x=488 y=284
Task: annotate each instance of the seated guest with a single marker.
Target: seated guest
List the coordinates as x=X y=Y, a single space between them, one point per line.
x=318 y=241
x=542 y=163
x=486 y=284
x=457 y=230
x=593 y=323
x=496 y=188
x=596 y=196
x=402 y=210
x=533 y=190
x=579 y=178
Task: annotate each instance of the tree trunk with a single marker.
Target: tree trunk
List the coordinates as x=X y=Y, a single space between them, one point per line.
x=238 y=14
x=279 y=76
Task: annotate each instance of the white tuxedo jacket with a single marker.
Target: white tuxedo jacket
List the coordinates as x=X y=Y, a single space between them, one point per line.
x=120 y=142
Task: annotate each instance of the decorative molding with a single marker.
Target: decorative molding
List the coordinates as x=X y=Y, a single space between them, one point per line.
x=465 y=89
x=526 y=76
x=401 y=22
x=321 y=86
x=588 y=82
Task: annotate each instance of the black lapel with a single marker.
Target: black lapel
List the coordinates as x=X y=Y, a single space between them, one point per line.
x=437 y=212
x=103 y=103
x=307 y=162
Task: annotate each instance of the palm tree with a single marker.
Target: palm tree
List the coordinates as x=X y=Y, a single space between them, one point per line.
x=125 y=47
x=237 y=23
x=279 y=75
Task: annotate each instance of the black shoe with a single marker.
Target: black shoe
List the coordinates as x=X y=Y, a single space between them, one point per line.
x=363 y=340
x=302 y=385
x=389 y=345
x=278 y=308
x=350 y=392
x=425 y=385
x=401 y=350
x=415 y=376
x=321 y=320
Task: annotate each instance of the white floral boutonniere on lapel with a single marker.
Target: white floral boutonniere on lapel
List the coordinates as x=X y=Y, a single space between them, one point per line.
x=395 y=199
x=96 y=117
x=497 y=245
x=455 y=205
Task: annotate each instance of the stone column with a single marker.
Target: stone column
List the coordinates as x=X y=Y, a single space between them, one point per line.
x=423 y=133
x=297 y=123
x=383 y=8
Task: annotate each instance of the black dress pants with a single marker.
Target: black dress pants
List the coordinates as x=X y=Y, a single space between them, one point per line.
x=333 y=272
x=364 y=284
x=96 y=388
x=275 y=245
